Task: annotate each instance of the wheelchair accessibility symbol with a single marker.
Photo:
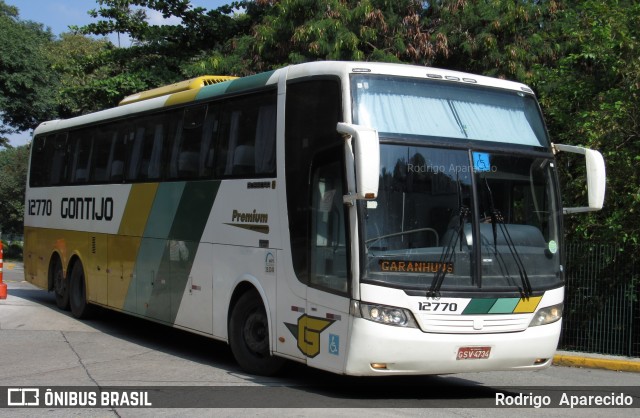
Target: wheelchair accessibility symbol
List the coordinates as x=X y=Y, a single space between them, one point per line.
x=334 y=344
x=481 y=162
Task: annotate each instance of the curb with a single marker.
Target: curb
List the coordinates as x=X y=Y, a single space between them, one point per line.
x=596 y=363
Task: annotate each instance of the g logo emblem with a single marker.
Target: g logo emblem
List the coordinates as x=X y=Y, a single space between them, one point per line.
x=307 y=332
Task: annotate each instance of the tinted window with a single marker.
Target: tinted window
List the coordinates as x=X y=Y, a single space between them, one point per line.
x=80 y=144
x=247 y=141
x=40 y=161
x=191 y=144
x=313 y=110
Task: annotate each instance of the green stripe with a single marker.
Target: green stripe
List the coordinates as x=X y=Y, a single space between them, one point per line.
x=234 y=86
x=504 y=306
x=213 y=90
x=187 y=229
x=193 y=211
x=152 y=247
x=251 y=82
x=479 y=306
x=163 y=211
x=171 y=238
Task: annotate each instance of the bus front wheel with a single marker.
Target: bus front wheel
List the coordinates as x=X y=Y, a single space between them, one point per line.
x=249 y=336
x=60 y=285
x=80 y=308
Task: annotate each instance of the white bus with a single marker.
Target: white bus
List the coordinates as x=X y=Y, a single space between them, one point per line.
x=362 y=218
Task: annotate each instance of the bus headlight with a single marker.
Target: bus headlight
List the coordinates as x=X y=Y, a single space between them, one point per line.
x=388 y=315
x=547 y=315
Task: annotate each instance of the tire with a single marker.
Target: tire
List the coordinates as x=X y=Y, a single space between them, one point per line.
x=249 y=336
x=60 y=285
x=80 y=308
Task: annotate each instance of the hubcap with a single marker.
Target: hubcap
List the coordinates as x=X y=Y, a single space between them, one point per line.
x=255 y=333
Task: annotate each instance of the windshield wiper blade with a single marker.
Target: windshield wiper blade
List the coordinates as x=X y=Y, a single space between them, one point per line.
x=526 y=283
x=447 y=254
x=498 y=219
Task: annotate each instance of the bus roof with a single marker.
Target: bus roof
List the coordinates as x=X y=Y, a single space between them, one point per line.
x=205 y=87
x=193 y=84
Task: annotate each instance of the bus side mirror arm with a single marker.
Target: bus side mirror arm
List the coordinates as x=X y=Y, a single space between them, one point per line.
x=596 y=176
x=365 y=148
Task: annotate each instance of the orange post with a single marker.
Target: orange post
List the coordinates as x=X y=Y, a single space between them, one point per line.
x=3 y=286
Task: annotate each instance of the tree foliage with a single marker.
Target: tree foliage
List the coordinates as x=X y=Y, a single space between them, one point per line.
x=365 y=30
x=591 y=96
x=496 y=37
x=25 y=77
x=13 y=172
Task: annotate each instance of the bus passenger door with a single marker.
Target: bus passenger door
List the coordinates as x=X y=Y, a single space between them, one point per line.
x=326 y=323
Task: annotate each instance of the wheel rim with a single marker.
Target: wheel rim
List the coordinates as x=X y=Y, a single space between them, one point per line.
x=255 y=333
x=59 y=283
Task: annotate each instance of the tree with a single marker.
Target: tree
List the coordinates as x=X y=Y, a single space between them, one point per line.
x=81 y=64
x=160 y=54
x=26 y=81
x=13 y=172
x=591 y=97
x=199 y=29
x=294 y=31
x=499 y=38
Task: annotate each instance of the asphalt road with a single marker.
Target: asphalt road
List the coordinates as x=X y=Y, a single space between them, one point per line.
x=41 y=346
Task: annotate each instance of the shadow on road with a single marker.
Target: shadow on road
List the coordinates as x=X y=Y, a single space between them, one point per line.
x=297 y=384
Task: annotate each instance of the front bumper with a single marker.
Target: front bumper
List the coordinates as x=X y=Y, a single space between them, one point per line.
x=407 y=351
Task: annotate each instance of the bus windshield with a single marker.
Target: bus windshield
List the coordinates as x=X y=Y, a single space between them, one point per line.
x=422 y=227
x=409 y=106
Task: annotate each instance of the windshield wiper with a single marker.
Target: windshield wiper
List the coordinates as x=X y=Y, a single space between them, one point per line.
x=447 y=254
x=449 y=250
x=498 y=220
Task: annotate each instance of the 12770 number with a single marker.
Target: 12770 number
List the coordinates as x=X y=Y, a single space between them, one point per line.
x=437 y=306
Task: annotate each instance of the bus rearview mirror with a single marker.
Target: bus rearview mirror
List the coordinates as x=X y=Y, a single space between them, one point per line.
x=365 y=146
x=596 y=176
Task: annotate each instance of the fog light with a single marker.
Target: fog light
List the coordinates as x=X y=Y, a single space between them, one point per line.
x=540 y=361
x=379 y=366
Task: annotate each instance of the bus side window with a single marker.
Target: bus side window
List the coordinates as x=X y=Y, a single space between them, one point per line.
x=207 y=147
x=117 y=156
x=187 y=144
x=102 y=144
x=58 y=172
x=266 y=140
x=40 y=161
x=147 y=144
x=81 y=146
x=247 y=144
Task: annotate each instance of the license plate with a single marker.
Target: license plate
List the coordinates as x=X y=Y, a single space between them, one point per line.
x=473 y=353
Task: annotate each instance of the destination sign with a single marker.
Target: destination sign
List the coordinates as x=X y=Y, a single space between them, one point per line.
x=406 y=266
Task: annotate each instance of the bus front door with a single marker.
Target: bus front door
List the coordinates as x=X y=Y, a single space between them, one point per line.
x=327 y=313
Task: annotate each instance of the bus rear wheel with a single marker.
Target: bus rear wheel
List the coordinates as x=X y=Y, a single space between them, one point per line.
x=80 y=308
x=60 y=285
x=249 y=336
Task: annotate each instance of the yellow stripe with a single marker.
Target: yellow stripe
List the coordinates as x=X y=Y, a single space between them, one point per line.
x=182 y=97
x=137 y=210
x=122 y=255
x=193 y=84
x=527 y=305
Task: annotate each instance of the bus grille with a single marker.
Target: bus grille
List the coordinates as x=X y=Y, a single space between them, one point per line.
x=473 y=324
